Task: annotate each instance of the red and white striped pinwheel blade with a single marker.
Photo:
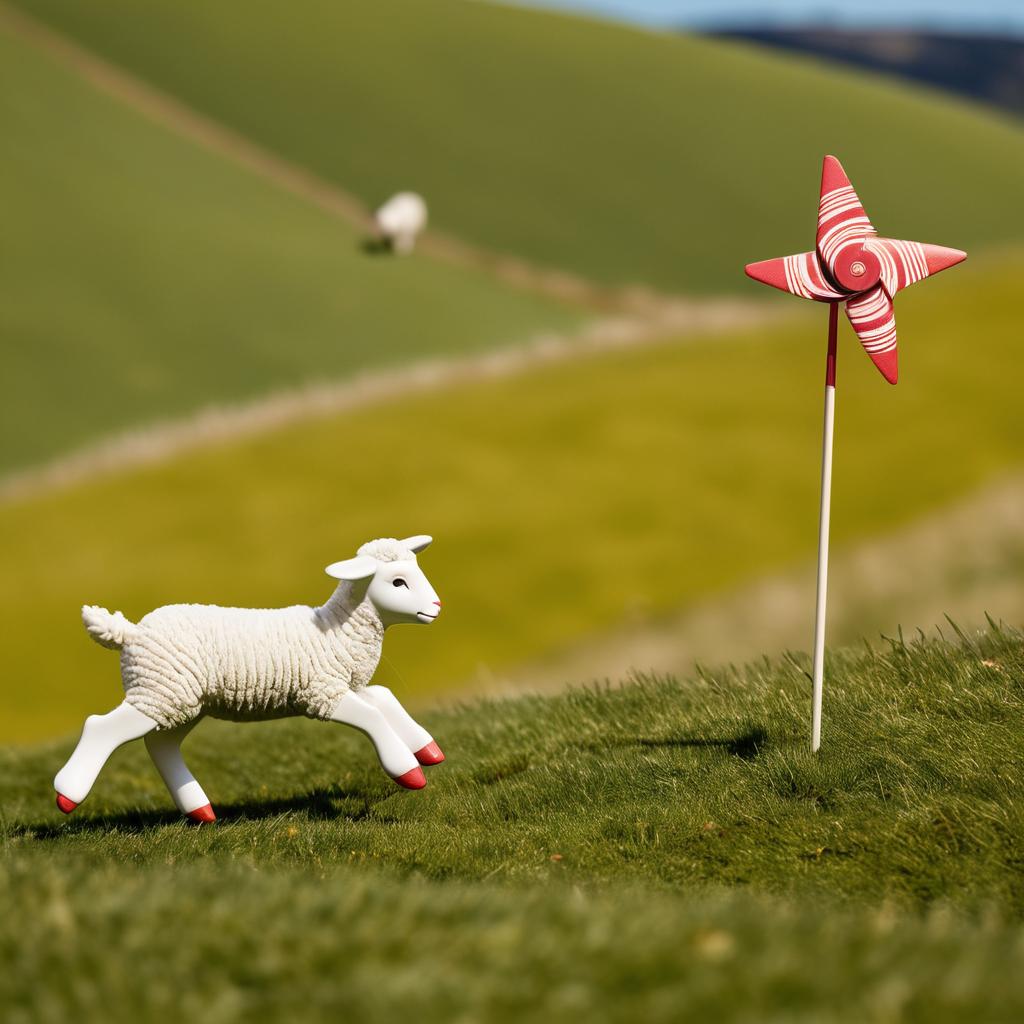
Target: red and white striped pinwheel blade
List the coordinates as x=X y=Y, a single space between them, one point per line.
x=904 y=263
x=799 y=275
x=841 y=217
x=873 y=319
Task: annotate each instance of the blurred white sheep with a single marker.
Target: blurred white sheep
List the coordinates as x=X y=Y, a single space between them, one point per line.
x=401 y=219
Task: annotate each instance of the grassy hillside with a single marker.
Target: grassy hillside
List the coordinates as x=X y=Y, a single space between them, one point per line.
x=662 y=849
x=627 y=156
x=576 y=497
x=142 y=277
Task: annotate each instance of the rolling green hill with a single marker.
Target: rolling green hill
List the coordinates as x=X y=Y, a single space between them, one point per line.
x=574 y=497
x=142 y=277
x=662 y=851
x=623 y=155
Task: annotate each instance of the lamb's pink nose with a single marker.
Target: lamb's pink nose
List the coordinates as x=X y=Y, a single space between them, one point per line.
x=438 y=603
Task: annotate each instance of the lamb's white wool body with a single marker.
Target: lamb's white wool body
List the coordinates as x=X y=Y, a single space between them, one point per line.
x=401 y=219
x=249 y=664
x=181 y=662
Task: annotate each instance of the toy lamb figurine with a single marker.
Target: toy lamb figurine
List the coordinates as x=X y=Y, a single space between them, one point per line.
x=183 y=661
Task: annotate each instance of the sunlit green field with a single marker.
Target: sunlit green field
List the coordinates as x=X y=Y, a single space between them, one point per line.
x=654 y=852
x=563 y=501
x=627 y=156
x=142 y=277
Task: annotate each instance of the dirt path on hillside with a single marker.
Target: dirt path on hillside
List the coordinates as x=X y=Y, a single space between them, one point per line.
x=962 y=561
x=171 y=113
x=670 y=324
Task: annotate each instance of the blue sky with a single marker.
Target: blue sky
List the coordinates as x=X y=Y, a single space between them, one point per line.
x=997 y=16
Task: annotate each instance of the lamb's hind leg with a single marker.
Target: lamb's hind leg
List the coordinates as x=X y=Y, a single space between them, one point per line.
x=395 y=757
x=164 y=746
x=101 y=736
x=410 y=732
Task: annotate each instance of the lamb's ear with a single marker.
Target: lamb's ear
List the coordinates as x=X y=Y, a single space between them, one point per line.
x=417 y=544
x=359 y=568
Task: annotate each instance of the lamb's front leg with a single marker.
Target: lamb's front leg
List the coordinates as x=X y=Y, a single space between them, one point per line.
x=395 y=757
x=411 y=733
x=164 y=747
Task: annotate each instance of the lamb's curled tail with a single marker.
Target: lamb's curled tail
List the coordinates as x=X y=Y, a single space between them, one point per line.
x=108 y=629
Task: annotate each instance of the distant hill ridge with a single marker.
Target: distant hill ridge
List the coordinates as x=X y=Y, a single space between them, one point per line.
x=988 y=68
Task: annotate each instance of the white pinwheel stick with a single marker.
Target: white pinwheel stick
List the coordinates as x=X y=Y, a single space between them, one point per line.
x=824 y=514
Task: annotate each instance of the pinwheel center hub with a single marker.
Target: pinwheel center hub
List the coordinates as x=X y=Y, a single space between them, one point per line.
x=856 y=269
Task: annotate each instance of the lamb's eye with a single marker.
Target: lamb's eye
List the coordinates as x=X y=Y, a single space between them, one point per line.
x=399 y=582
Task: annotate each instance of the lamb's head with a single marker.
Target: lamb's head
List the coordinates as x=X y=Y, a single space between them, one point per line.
x=395 y=584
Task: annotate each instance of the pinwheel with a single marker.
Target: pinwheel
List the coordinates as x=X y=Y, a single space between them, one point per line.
x=852 y=265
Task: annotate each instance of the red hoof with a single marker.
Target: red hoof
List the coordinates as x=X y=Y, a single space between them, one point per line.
x=203 y=814
x=430 y=754
x=412 y=779
x=66 y=805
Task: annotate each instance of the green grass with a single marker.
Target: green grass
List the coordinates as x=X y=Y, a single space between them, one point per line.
x=627 y=156
x=564 y=501
x=143 y=277
x=655 y=851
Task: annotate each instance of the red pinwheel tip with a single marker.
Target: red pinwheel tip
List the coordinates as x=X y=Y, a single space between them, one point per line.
x=832 y=175
x=771 y=272
x=939 y=257
x=887 y=364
